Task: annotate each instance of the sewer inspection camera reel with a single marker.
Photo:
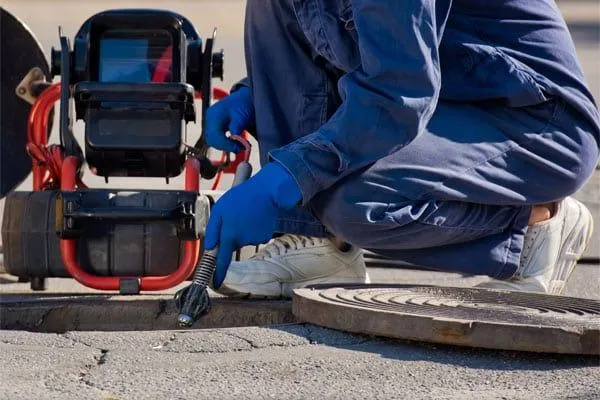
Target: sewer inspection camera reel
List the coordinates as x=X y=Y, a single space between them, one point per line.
x=131 y=77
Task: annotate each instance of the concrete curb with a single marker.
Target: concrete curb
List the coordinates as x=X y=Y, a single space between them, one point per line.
x=60 y=314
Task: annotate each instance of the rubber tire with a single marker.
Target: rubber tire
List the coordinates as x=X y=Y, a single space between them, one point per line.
x=19 y=52
x=31 y=246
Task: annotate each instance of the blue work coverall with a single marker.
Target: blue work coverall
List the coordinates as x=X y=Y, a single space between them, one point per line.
x=422 y=130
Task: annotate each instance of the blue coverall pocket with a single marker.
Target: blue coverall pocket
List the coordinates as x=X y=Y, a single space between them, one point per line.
x=312 y=113
x=329 y=27
x=480 y=72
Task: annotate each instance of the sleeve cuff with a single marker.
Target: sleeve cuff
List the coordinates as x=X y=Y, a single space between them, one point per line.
x=240 y=84
x=299 y=170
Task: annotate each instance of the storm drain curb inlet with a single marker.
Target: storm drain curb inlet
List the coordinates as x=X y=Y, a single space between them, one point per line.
x=122 y=313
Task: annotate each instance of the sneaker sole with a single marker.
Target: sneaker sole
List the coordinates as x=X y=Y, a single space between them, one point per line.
x=573 y=248
x=277 y=290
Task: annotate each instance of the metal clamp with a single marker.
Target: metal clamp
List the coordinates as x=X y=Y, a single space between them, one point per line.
x=32 y=85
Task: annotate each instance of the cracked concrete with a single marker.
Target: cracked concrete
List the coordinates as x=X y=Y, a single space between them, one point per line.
x=35 y=371
x=295 y=361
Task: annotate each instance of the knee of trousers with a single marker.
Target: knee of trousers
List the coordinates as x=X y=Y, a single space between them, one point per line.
x=575 y=182
x=357 y=215
x=573 y=159
x=574 y=176
x=346 y=222
x=371 y=216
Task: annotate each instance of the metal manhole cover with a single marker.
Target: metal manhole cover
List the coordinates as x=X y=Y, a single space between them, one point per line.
x=459 y=316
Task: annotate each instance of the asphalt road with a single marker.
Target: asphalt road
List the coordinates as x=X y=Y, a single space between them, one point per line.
x=293 y=361
x=285 y=362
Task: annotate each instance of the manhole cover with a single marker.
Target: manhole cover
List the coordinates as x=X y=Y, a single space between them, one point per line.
x=459 y=316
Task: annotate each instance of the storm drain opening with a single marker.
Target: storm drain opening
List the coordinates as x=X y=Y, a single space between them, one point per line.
x=471 y=317
x=59 y=313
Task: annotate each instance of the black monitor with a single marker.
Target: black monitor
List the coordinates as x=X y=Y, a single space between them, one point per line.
x=132 y=92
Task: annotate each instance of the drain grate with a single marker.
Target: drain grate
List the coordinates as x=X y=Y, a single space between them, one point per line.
x=461 y=316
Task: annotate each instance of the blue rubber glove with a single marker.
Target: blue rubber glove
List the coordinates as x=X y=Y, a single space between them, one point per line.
x=246 y=214
x=233 y=113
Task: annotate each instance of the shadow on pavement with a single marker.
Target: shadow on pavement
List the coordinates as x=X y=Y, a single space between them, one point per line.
x=466 y=357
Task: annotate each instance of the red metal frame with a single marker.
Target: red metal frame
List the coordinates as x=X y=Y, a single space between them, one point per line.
x=44 y=163
x=244 y=155
x=51 y=170
x=68 y=247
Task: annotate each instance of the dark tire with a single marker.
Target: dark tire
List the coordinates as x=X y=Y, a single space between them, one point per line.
x=31 y=246
x=19 y=52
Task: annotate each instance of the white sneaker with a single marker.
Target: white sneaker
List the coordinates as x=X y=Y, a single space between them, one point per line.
x=551 y=250
x=290 y=262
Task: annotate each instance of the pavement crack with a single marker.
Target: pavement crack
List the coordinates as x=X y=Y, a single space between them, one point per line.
x=77 y=340
x=102 y=359
x=88 y=367
x=250 y=342
x=254 y=346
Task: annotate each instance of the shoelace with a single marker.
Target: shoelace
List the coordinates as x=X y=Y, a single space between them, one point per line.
x=530 y=238
x=283 y=244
